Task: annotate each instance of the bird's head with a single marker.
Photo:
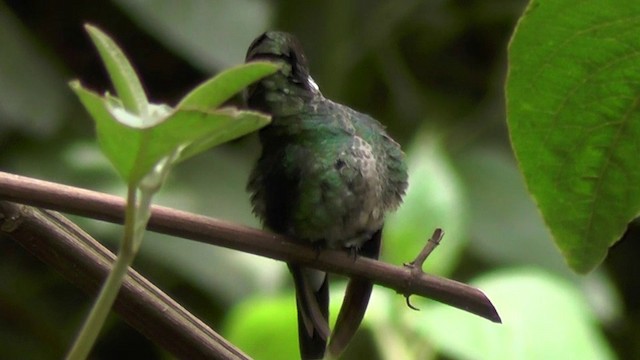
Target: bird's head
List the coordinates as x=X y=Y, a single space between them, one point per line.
x=285 y=50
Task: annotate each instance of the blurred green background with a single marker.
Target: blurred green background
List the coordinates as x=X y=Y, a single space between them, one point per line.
x=431 y=71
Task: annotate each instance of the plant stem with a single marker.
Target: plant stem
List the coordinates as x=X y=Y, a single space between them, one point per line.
x=101 y=308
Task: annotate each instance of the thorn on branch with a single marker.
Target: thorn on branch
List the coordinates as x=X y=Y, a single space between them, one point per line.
x=415 y=267
x=409 y=304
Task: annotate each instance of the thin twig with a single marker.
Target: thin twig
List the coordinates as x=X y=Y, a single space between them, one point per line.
x=85 y=262
x=416 y=265
x=212 y=231
x=432 y=243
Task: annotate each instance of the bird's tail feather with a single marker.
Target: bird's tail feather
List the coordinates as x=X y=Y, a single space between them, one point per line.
x=354 y=304
x=312 y=300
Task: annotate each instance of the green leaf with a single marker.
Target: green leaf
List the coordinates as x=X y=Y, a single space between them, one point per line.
x=243 y=122
x=543 y=317
x=122 y=74
x=573 y=96
x=191 y=127
x=134 y=151
x=217 y=90
x=433 y=200
x=118 y=142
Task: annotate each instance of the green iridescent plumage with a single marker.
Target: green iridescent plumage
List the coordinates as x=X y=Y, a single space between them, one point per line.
x=327 y=174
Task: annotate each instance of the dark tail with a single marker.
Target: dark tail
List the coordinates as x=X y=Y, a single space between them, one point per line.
x=312 y=299
x=356 y=299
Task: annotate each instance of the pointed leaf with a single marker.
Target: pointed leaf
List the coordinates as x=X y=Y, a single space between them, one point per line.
x=184 y=127
x=245 y=122
x=118 y=142
x=214 y=92
x=123 y=76
x=135 y=150
x=573 y=96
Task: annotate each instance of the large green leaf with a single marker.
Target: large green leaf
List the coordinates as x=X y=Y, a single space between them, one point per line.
x=573 y=93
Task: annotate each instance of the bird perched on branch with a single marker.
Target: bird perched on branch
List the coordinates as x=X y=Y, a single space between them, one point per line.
x=327 y=176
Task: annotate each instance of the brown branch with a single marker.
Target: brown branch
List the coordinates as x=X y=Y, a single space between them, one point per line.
x=204 y=229
x=85 y=262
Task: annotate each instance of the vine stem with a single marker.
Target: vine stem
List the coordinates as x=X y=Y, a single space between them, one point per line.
x=101 y=308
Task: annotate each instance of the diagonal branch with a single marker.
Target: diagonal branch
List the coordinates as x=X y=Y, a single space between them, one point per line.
x=83 y=261
x=221 y=233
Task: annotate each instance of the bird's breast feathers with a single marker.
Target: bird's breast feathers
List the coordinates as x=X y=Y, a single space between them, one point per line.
x=337 y=163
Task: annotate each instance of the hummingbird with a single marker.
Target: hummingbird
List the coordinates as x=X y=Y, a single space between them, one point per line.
x=327 y=175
